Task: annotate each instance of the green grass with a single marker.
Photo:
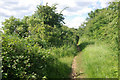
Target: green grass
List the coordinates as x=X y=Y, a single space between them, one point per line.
x=79 y=68
x=99 y=61
x=67 y=60
x=66 y=70
x=61 y=67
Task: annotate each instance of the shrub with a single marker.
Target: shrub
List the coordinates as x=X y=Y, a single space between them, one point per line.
x=23 y=60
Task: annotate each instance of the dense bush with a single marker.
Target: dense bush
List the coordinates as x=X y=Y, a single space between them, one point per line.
x=23 y=60
x=33 y=47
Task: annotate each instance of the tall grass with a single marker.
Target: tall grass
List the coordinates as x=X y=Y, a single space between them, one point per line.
x=99 y=61
x=61 y=66
x=66 y=50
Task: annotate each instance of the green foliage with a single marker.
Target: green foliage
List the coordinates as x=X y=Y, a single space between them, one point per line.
x=49 y=16
x=25 y=59
x=22 y=59
x=98 y=26
x=14 y=25
x=33 y=47
x=61 y=67
x=45 y=23
x=101 y=26
x=66 y=50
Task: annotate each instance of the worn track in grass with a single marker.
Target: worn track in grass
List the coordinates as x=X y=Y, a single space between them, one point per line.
x=76 y=74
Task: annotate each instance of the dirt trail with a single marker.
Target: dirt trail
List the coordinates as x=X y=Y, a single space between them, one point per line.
x=75 y=74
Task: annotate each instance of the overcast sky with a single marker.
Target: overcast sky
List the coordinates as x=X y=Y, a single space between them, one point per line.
x=74 y=15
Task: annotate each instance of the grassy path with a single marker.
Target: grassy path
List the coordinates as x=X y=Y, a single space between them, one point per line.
x=77 y=71
x=94 y=61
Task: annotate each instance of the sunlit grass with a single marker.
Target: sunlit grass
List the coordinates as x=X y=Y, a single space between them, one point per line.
x=99 y=61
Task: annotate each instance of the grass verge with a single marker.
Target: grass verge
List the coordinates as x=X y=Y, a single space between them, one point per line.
x=98 y=61
x=61 y=67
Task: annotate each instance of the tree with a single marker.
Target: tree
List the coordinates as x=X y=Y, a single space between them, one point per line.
x=15 y=26
x=48 y=15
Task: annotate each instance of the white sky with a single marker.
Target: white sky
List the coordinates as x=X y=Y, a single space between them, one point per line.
x=74 y=15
